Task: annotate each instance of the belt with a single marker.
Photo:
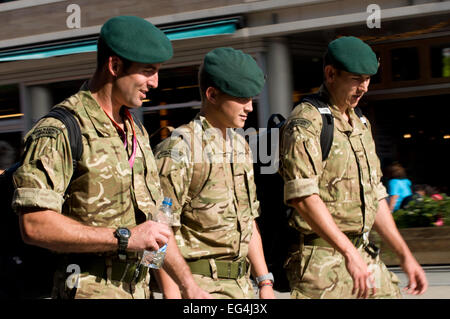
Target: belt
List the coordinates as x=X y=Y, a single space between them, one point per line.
x=316 y=240
x=128 y=272
x=225 y=268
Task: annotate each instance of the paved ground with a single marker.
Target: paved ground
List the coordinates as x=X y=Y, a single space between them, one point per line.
x=438 y=281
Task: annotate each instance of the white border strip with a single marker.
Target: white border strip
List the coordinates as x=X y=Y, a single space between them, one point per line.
x=21 y=4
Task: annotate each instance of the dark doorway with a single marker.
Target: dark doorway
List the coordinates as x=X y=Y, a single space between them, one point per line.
x=415 y=132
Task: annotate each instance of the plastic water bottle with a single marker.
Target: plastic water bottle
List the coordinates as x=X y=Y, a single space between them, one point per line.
x=155 y=258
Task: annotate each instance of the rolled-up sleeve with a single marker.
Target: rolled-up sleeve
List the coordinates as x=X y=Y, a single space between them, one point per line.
x=300 y=188
x=46 y=170
x=300 y=153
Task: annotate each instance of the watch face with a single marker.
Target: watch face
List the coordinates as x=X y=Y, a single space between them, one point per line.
x=123 y=232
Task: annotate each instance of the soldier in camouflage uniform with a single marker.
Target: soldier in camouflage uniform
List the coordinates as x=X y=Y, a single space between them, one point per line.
x=207 y=169
x=98 y=217
x=339 y=199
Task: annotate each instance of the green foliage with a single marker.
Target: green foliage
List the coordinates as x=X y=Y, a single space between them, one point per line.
x=424 y=212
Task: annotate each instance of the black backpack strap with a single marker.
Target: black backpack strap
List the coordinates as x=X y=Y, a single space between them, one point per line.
x=360 y=114
x=137 y=121
x=326 y=136
x=73 y=129
x=275 y=121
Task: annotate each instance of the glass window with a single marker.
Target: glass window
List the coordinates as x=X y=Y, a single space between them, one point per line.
x=14 y=139
x=178 y=85
x=415 y=136
x=307 y=74
x=440 y=60
x=405 y=64
x=153 y=120
x=62 y=90
x=9 y=102
x=376 y=78
x=177 y=91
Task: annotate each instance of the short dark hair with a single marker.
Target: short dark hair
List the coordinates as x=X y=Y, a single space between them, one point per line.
x=204 y=81
x=7 y=155
x=397 y=171
x=104 y=52
x=329 y=60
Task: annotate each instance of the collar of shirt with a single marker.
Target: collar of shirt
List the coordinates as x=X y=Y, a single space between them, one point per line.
x=233 y=149
x=213 y=136
x=106 y=126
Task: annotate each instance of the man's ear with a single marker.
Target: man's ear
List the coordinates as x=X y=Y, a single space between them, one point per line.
x=329 y=73
x=114 y=66
x=211 y=95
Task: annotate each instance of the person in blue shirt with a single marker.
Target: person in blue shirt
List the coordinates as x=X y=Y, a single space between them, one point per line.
x=399 y=186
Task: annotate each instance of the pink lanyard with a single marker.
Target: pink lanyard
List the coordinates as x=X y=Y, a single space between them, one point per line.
x=123 y=135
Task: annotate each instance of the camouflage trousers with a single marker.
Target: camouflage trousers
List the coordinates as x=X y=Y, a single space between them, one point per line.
x=320 y=273
x=223 y=288
x=92 y=287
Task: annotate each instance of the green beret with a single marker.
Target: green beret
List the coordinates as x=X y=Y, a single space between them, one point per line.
x=353 y=55
x=136 y=39
x=234 y=72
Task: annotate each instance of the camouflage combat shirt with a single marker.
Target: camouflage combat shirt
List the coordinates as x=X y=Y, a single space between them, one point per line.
x=218 y=221
x=105 y=191
x=348 y=181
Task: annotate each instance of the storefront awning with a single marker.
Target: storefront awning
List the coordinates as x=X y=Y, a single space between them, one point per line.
x=205 y=29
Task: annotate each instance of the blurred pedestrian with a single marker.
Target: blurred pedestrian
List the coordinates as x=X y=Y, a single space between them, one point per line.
x=399 y=186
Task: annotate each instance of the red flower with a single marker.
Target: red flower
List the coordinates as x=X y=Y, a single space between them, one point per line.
x=437 y=197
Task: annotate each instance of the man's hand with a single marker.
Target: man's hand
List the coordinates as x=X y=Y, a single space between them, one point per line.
x=418 y=282
x=149 y=235
x=386 y=228
x=195 y=292
x=363 y=280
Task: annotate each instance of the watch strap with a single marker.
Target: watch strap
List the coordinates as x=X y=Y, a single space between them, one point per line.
x=268 y=276
x=122 y=240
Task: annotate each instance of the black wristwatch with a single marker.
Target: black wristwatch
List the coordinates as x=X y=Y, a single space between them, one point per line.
x=122 y=234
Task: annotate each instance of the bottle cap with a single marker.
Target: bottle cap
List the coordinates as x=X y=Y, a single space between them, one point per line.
x=167 y=201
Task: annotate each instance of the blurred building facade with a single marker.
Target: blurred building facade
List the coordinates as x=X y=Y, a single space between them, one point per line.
x=47 y=50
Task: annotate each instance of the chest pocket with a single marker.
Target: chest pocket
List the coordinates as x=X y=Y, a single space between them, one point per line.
x=245 y=194
x=209 y=211
x=145 y=170
x=339 y=178
x=372 y=158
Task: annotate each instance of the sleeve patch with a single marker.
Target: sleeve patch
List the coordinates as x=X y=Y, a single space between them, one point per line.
x=173 y=154
x=47 y=131
x=300 y=122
